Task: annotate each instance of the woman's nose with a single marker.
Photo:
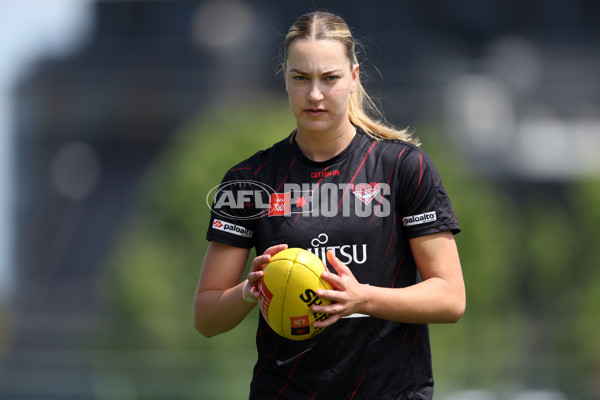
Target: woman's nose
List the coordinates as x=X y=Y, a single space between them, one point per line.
x=315 y=94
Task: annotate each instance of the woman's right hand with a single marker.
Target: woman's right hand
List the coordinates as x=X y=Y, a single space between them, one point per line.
x=256 y=271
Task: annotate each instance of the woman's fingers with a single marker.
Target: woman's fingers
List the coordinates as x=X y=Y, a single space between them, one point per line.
x=276 y=249
x=345 y=296
x=260 y=261
x=256 y=272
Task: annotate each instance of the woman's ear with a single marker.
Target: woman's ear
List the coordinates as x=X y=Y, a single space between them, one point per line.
x=355 y=69
x=284 y=70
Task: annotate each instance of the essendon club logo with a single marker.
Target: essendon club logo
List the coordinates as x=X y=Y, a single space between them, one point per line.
x=280 y=204
x=300 y=325
x=366 y=192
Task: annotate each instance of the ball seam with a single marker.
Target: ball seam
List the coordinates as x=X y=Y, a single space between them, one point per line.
x=287 y=281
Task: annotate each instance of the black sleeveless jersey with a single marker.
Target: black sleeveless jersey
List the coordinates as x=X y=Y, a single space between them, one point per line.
x=363 y=204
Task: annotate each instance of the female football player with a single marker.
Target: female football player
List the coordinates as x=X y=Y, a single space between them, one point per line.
x=372 y=203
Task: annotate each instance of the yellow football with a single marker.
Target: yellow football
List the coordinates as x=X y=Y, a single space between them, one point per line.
x=288 y=290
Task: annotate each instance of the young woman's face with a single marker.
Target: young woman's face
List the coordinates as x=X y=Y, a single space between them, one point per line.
x=319 y=80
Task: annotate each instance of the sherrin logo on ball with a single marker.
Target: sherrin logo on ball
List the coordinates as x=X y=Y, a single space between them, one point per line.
x=287 y=291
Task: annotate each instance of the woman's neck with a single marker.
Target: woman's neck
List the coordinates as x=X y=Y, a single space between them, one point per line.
x=322 y=146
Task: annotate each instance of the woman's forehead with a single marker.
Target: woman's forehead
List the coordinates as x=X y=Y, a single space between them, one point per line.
x=323 y=53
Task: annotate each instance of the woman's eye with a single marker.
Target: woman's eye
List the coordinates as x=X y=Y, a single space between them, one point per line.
x=300 y=78
x=331 y=77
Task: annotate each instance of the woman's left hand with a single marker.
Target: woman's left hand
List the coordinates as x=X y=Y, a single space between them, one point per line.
x=347 y=295
x=256 y=271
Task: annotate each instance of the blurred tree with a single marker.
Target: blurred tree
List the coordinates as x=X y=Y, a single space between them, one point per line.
x=157 y=264
x=584 y=272
x=153 y=273
x=481 y=348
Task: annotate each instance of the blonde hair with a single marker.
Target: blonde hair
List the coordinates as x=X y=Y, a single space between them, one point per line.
x=363 y=112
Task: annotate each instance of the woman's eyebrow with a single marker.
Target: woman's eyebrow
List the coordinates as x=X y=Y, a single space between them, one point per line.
x=329 y=72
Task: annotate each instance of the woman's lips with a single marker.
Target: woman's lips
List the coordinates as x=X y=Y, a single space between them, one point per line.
x=315 y=112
